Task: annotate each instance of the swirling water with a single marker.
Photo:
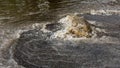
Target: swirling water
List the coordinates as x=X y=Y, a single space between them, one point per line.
x=18 y=16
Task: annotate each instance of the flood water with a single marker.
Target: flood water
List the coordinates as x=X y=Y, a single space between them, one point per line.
x=18 y=16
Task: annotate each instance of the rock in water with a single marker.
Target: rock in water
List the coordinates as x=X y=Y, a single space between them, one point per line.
x=74 y=26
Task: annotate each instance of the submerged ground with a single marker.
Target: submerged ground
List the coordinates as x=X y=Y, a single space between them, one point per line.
x=21 y=44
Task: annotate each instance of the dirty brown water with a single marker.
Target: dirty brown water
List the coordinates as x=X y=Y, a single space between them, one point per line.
x=20 y=16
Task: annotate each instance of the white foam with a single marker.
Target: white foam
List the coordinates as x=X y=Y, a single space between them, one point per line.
x=45 y=30
x=105 y=12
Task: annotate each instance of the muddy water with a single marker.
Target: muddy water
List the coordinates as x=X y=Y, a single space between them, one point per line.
x=19 y=16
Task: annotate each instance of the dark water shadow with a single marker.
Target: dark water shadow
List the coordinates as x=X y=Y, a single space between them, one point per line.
x=111 y=24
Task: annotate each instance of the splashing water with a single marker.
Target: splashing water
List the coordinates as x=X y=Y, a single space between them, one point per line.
x=74 y=27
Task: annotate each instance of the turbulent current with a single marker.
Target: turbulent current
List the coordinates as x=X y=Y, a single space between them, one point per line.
x=30 y=34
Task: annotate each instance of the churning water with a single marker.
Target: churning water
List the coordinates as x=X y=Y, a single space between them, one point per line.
x=24 y=45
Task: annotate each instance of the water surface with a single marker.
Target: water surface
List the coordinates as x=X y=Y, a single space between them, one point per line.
x=18 y=16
